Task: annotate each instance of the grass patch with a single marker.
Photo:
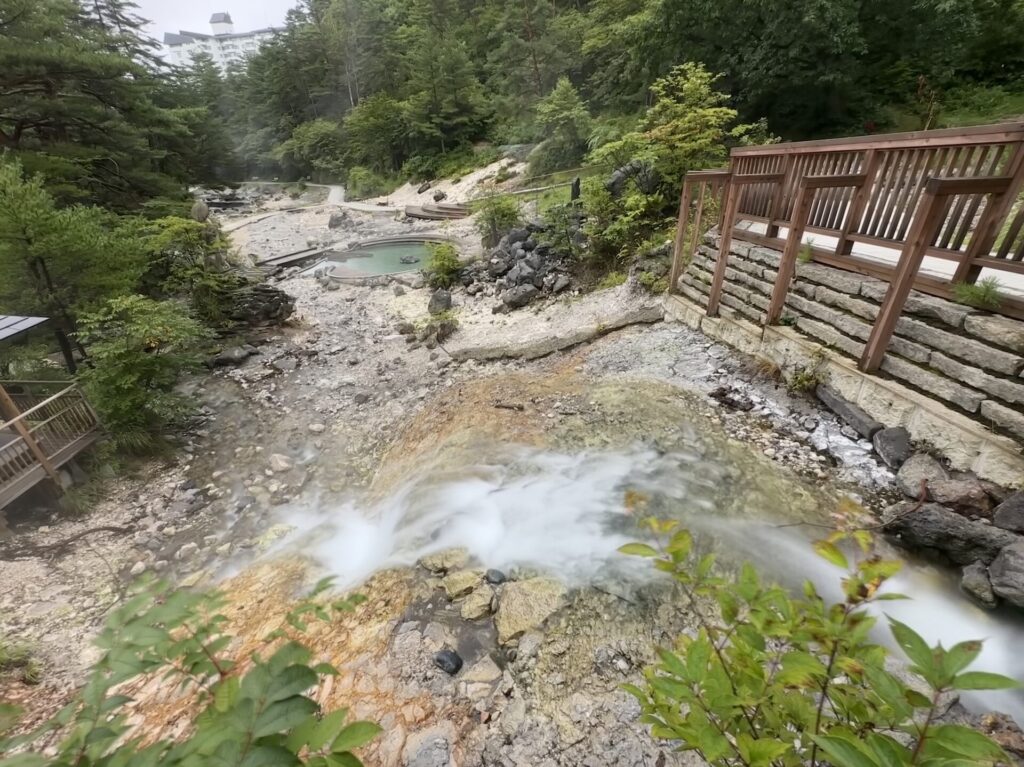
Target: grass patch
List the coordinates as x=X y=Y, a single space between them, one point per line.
x=17 y=659
x=611 y=280
x=983 y=294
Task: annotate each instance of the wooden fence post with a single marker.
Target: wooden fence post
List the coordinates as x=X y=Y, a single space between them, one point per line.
x=772 y=230
x=794 y=239
x=929 y=216
x=680 y=241
x=725 y=243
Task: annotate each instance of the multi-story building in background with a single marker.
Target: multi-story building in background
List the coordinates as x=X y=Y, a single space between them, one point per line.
x=224 y=45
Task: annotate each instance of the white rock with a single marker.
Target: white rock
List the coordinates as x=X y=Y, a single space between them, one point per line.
x=137 y=569
x=281 y=463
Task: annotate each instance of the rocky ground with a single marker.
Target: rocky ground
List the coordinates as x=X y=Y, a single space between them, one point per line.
x=344 y=403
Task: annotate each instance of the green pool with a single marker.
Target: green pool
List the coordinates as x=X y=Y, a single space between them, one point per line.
x=374 y=259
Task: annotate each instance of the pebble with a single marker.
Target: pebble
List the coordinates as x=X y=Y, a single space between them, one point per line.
x=495 y=577
x=317 y=428
x=137 y=569
x=449 y=661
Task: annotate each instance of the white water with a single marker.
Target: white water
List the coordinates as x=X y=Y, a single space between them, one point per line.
x=566 y=514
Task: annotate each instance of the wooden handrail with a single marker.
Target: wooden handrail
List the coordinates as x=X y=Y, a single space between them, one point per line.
x=981 y=134
x=947 y=187
x=44 y=403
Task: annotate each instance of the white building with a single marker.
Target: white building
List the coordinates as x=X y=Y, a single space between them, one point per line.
x=224 y=45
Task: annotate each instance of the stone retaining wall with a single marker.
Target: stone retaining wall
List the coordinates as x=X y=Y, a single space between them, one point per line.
x=970 y=360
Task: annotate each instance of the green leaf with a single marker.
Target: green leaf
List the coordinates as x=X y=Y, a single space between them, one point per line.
x=270 y=756
x=343 y=759
x=293 y=680
x=328 y=729
x=959 y=657
x=226 y=694
x=283 y=715
x=679 y=545
x=355 y=735
x=761 y=752
x=831 y=553
x=962 y=741
x=913 y=645
x=983 y=680
x=844 y=751
x=638 y=550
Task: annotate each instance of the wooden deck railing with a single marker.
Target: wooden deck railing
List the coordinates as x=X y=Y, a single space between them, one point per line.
x=885 y=202
x=51 y=423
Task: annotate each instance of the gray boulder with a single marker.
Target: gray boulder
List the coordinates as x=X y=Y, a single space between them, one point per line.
x=1007 y=574
x=200 y=211
x=1010 y=513
x=893 y=446
x=440 y=195
x=339 y=219
x=517 y=235
x=520 y=296
x=440 y=301
x=934 y=527
x=423 y=187
x=976 y=584
x=919 y=468
x=234 y=355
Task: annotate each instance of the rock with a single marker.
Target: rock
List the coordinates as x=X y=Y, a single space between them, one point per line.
x=137 y=569
x=406 y=328
x=893 y=446
x=495 y=577
x=966 y=496
x=461 y=582
x=1010 y=513
x=332 y=285
x=561 y=283
x=317 y=428
x=865 y=425
x=260 y=304
x=440 y=195
x=975 y=583
x=440 y=301
x=361 y=398
x=524 y=605
x=281 y=463
x=398 y=290
x=1004 y=731
x=187 y=551
x=285 y=364
x=520 y=296
x=478 y=604
x=423 y=187
x=919 y=468
x=517 y=236
x=448 y=661
x=432 y=752
x=484 y=670
x=444 y=561
x=339 y=219
x=234 y=355
x=200 y=211
x=932 y=526
x=1007 y=573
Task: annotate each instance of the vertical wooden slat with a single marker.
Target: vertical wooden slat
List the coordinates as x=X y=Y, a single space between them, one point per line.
x=681 y=223
x=990 y=169
x=907 y=180
x=725 y=243
x=10 y=411
x=927 y=219
x=861 y=199
x=787 y=265
x=879 y=191
x=974 y=159
x=778 y=195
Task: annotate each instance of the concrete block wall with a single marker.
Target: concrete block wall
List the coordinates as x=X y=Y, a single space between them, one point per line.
x=969 y=360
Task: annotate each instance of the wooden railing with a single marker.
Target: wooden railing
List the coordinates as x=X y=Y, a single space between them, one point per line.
x=46 y=425
x=946 y=194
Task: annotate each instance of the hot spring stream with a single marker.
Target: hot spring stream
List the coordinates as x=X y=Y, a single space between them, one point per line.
x=565 y=514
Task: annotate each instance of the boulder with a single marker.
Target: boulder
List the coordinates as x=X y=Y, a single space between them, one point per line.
x=423 y=187
x=200 y=211
x=976 y=584
x=495 y=577
x=449 y=661
x=281 y=463
x=440 y=195
x=406 y=328
x=517 y=235
x=234 y=355
x=477 y=603
x=443 y=561
x=561 y=283
x=893 y=446
x=962 y=540
x=1010 y=513
x=966 y=496
x=440 y=301
x=865 y=425
x=520 y=296
x=1007 y=574
x=919 y=468
x=339 y=219
x=525 y=605
x=260 y=304
x=461 y=582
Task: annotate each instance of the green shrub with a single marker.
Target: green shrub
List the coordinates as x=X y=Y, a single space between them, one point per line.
x=443 y=265
x=138 y=347
x=265 y=715
x=17 y=659
x=775 y=681
x=652 y=282
x=361 y=183
x=983 y=294
x=611 y=280
x=495 y=216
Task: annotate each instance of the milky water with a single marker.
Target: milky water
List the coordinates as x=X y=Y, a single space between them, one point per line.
x=567 y=514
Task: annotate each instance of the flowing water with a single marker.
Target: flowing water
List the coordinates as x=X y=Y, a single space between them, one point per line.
x=568 y=513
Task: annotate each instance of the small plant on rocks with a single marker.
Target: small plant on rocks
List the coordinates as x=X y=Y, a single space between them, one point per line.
x=770 y=680
x=252 y=711
x=495 y=216
x=443 y=265
x=983 y=294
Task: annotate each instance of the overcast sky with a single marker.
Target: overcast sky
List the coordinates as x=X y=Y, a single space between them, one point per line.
x=194 y=15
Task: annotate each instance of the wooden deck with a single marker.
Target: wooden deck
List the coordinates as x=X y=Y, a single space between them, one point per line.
x=948 y=197
x=47 y=424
